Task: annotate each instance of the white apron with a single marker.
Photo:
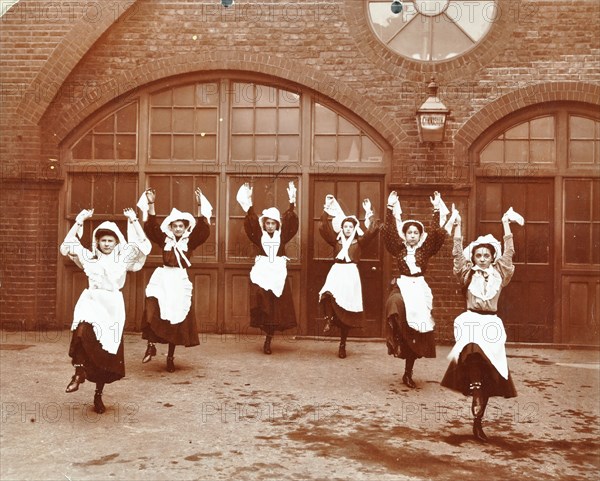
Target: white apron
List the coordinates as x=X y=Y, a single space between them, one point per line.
x=173 y=290
x=343 y=281
x=270 y=274
x=487 y=331
x=418 y=302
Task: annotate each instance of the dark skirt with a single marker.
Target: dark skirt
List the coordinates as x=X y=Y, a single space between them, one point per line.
x=493 y=384
x=269 y=312
x=402 y=340
x=342 y=317
x=155 y=329
x=100 y=365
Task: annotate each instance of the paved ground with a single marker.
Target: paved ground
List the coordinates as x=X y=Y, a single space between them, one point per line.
x=231 y=413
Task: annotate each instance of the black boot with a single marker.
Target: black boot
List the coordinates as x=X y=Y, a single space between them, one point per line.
x=98 y=404
x=267 y=345
x=150 y=353
x=478 y=409
x=407 y=379
x=342 y=350
x=170 y=364
x=478 y=431
x=77 y=379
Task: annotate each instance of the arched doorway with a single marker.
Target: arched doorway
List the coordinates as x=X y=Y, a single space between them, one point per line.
x=544 y=161
x=217 y=132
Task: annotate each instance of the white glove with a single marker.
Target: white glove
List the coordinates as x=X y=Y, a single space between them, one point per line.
x=244 y=196
x=291 y=190
x=367 y=207
x=130 y=214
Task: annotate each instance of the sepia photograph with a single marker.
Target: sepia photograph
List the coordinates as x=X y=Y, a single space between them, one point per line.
x=318 y=240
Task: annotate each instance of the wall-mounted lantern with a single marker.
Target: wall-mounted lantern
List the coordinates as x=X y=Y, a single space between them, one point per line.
x=431 y=116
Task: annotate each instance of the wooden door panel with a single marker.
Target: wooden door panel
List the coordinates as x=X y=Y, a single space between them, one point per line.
x=581 y=310
x=205 y=299
x=527 y=304
x=349 y=192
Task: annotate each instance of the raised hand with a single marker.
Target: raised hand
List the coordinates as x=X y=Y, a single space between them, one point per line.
x=367 y=206
x=329 y=199
x=435 y=200
x=392 y=198
x=84 y=215
x=198 y=195
x=130 y=214
x=151 y=195
x=292 y=192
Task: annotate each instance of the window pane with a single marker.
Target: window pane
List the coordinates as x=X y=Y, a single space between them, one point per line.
x=266 y=121
x=325 y=148
x=493 y=152
x=448 y=39
x=289 y=121
x=492 y=202
x=81 y=193
x=538 y=240
x=581 y=128
x=182 y=193
x=125 y=192
x=160 y=147
x=385 y=23
x=206 y=147
x=183 y=147
x=517 y=151
x=349 y=148
x=242 y=121
x=577 y=200
x=288 y=99
x=289 y=148
x=542 y=152
x=106 y=125
x=162 y=98
x=542 y=128
x=581 y=152
x=103 y=147
x=206 y=121
x=126 y=146
x=161 y=120
x=266 y=148
x=238 y=245
x=345 y=127
x=183 y=120
x=266 y=96
x=244 y=95
x=577 y=243
x=242 y=148
x=103 y=194
x=325 y=120
x=127 y=119
x=596 y=202
x=184 y=96
x=414 y=42
x=520 y=131
x=83 y=148
x=207 y=94
x=370 y=151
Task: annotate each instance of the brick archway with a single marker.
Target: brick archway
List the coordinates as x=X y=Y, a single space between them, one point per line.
x=68 y=115
x=516 y=100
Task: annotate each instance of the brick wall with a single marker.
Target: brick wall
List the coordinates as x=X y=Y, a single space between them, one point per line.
x=61 y=61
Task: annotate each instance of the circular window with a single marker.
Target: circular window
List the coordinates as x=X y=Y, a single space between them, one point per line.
x=432 y=30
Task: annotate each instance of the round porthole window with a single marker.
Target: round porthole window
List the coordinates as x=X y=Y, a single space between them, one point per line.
x=431 y=30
